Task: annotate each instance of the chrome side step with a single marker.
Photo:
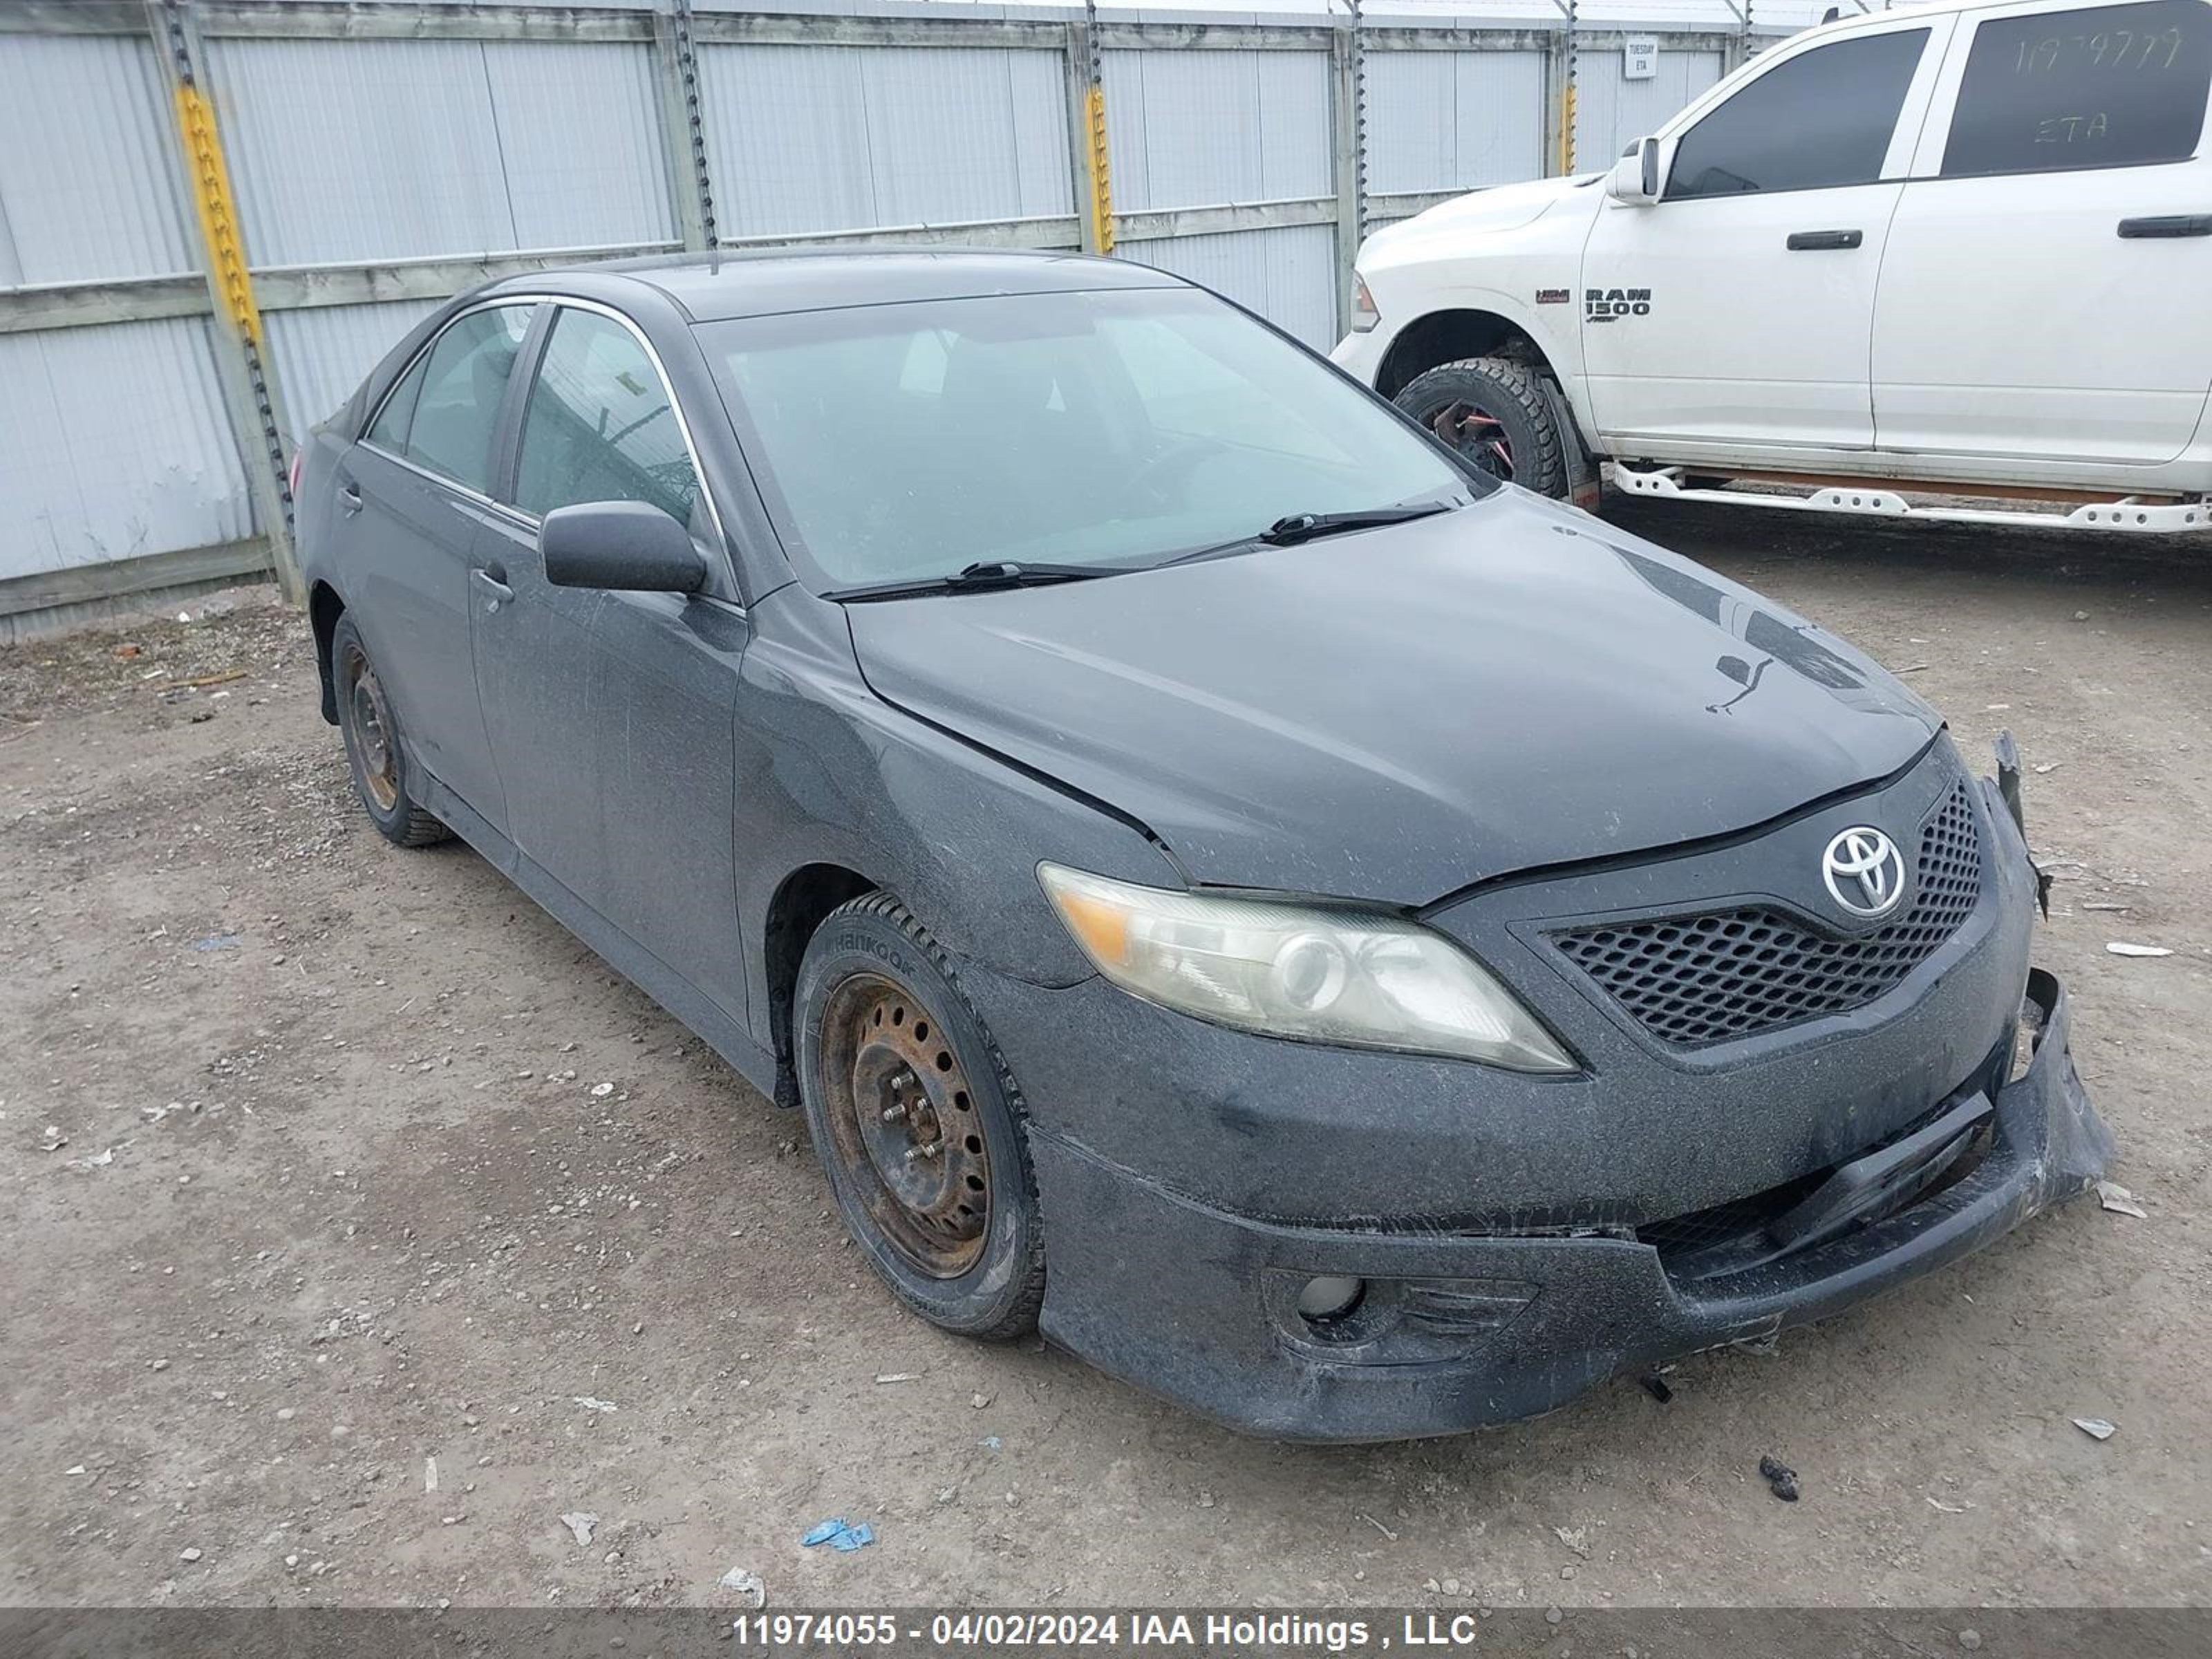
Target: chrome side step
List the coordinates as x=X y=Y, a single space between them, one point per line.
x=2125 y=515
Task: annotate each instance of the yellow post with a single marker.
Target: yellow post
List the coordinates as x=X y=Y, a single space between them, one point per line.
x=218 y=214
x=1567 y=127
x=1100 y=206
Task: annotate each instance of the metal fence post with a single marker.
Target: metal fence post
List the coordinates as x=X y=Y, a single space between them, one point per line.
x=1568 y=91
x=252 y=397
x=683 y=123
x=1087 y=133
x=1741 y=52
x=1556 y=56
x=1348 y=65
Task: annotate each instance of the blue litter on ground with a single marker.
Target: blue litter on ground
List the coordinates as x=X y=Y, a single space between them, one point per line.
x=841 y=1535
x=990 y=1443
x=216 y=942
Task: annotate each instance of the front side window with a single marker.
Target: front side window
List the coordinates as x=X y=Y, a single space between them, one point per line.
x=1822 y=119
x=599 y=426
x=445 y=413
x=2116 y=86
x=1115 y=427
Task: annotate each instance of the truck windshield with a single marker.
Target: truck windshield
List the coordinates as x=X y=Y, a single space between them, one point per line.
x=1117 y=428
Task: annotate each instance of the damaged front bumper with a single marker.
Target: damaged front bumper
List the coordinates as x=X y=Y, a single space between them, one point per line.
x=1451 y=1332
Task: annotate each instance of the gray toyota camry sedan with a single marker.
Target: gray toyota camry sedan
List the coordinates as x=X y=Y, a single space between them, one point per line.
x=1344 y=943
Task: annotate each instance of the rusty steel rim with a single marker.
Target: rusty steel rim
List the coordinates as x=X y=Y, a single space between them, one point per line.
x=370 y=719
x=904 y=1125
x=1476 y=434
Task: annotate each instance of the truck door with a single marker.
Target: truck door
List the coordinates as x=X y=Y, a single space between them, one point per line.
x=2045 y=291
x=1737 y=312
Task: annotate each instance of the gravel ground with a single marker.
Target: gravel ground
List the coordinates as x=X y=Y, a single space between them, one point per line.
x=361 y=1226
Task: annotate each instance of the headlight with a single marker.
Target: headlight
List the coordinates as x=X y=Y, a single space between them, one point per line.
x=1363 y=313
x=1321 y=976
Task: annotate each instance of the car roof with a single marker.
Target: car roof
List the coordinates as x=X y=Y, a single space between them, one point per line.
x=714 y=287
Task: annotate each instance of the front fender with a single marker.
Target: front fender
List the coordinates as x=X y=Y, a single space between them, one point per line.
x=828 y=773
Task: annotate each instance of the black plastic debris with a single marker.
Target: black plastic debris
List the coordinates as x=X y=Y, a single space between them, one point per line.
x=1656 y=1386
x=1781 y=1479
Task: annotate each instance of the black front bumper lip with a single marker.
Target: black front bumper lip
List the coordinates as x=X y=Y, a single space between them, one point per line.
x=1196 y=1304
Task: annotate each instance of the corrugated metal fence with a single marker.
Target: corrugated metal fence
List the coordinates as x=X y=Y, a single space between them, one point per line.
x=383 y=155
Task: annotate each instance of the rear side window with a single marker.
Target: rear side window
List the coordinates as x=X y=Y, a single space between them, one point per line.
x=2115 y=86
x=444 y=412
x=390 y=429
x=599 y=426
x=1822 y=119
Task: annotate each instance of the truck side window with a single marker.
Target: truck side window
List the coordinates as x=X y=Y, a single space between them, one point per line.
x=2112 y=85
x=1824 y=117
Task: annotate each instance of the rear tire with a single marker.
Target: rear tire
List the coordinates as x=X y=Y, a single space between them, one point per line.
x=382 y=776
x=918 y=1123
x=1495 y=413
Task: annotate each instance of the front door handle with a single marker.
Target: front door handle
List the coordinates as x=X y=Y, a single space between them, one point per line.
x=494 y=592
x=1803 y=242
x=349 y=497
x=2167 y=224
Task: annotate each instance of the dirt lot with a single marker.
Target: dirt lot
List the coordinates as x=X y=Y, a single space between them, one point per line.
x=322 y=1160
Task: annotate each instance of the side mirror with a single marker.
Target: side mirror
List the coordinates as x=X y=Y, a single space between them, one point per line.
x=626 y=545
x=1635 y=178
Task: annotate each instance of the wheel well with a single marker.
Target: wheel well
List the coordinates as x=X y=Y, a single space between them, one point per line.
x=807 y=894
x=1446 y=337
x=324 y=609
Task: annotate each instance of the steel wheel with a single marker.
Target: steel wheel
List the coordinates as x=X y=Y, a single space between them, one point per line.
x=904 y=1122
x=370 y=718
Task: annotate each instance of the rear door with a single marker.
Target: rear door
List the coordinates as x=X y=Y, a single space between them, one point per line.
x=2046 y=293
x=613 y=714
x=1737 y=311
x=413 y=495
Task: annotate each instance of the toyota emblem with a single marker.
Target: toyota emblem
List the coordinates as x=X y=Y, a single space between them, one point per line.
x=1865 y=873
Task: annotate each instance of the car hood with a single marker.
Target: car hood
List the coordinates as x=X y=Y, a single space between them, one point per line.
x=1394 y=715
x=1507 y=207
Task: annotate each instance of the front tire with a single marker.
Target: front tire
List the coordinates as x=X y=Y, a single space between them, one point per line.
x=918 y=1123
x=1497 y=414
x=378 y=759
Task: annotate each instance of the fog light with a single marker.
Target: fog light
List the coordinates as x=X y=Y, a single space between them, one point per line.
x=1331 y=1296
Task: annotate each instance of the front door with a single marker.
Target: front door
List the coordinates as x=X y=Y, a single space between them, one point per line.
x=413 y=495
x=1737 y=310
x=613 y=713
x=2044 y=295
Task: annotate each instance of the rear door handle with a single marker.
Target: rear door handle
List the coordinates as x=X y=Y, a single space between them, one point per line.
x=494 y=592
x=1803 y=242
x=349 y=497
x=2167 y=224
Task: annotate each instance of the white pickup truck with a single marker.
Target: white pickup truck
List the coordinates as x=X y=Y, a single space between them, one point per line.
x=1963 y=249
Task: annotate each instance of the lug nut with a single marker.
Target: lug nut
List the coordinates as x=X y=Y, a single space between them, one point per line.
x=913 y=1153
x=894 y=1111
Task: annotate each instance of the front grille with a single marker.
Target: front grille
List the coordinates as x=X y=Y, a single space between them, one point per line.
x=1690 y=981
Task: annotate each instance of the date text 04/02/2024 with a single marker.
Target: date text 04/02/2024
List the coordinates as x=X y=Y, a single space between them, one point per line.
x=1001 y=1629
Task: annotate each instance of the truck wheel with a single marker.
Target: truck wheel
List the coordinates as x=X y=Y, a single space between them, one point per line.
x=373 y=752
x=917 y=1123
x=1493 y=412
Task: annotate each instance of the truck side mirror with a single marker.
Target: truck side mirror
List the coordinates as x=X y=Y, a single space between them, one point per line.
x=1635 y=178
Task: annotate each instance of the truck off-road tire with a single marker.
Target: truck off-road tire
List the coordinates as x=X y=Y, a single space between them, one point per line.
x=374 y=753
x=917 y=1123
x=1495 y=413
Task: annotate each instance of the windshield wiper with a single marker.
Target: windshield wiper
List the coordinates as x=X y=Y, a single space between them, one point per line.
x=1308 y=527
x=984 y=574
x=1305 y=527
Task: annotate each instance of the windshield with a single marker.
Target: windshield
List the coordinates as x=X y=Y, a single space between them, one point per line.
x=1117 y=428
